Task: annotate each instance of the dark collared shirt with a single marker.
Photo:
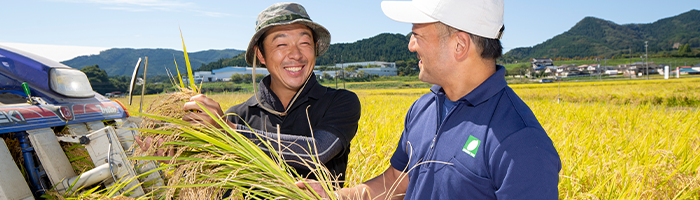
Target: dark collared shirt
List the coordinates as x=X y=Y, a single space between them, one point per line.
x=489 y=146
x=333 y=114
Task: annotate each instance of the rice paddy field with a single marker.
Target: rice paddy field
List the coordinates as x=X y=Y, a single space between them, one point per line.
x=616 y=139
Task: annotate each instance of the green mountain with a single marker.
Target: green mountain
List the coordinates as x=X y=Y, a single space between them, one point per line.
x=121 y=61
x=597 y=37
x=382 y=47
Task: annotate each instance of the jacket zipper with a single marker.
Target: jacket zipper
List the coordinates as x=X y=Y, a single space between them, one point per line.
x=437 y=131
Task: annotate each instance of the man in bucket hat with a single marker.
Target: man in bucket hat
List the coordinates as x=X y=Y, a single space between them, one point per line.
x=472 y=137
x=287 y=43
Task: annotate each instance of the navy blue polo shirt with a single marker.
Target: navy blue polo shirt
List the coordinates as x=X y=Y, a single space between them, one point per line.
x=489 y=146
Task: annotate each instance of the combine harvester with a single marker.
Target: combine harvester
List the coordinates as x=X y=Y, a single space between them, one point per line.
x=49 y=113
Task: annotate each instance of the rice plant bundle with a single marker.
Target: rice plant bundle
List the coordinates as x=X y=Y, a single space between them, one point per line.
x=211 y=161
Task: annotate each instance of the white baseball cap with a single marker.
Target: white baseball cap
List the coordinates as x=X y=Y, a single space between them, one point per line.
x=479 y=17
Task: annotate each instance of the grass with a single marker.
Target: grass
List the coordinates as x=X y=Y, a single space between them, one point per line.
x=616 y=139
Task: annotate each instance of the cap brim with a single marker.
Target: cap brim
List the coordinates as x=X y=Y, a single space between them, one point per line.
x=405 y=11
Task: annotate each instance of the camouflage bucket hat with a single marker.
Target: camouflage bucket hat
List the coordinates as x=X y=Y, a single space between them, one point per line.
x=284 y=14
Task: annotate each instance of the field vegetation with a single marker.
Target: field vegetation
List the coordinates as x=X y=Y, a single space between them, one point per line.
x=671 y=61
x=616 y=139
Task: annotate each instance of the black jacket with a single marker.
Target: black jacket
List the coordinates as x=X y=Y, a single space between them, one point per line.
x=333 y=115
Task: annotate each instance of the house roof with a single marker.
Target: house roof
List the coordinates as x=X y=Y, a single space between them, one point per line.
x=566 y=66
x=698 y=65
x=542 y=59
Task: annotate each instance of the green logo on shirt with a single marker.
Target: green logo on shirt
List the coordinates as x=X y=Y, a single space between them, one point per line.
x=471 y=146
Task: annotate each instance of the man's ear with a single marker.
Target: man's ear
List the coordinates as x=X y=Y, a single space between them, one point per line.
x=463 y=46
x=261 y=58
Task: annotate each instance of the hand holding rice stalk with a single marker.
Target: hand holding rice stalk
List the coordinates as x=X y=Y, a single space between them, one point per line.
x=208 y=161
x=212 y=160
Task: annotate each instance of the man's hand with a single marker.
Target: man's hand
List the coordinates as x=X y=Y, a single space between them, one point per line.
x=146 y=144
x=390 y=184
x=315 y=186
x=198 y=115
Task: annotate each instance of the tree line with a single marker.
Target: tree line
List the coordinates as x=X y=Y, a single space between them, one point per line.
x=102 y=83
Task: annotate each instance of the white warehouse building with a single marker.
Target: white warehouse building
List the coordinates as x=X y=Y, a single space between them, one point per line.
x=378 y=63
x=224 y=74
x=380 y=71
x=384 y=69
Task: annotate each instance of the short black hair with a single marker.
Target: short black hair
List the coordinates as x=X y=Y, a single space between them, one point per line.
x=490 y=48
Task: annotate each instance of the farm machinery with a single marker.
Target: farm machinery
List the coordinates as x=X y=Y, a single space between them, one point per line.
x=58 y=135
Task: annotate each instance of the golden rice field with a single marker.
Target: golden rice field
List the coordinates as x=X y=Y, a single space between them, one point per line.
x=616 y=139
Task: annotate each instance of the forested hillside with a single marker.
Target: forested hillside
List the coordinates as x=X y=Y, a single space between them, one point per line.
x=121 y=61
x=383 y=47
x=597 y=37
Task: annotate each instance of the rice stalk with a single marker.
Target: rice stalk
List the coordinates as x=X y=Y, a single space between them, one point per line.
x=209 y=161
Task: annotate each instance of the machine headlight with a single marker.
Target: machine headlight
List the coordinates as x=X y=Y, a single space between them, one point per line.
x=70 y=82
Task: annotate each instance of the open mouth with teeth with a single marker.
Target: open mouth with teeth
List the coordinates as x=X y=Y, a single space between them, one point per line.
x=293 y=69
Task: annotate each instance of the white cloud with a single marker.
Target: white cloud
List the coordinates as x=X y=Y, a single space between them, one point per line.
x=56 y=52
x=146 y=3
x=149 y=5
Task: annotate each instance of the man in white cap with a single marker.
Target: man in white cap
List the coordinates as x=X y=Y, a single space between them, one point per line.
x=472 y=137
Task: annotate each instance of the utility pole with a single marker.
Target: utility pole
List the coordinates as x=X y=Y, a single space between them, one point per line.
x=335 y=67
x=600 y=75
x=342 y=65
x=597 y=70
x=628 y=66
x=590 y=75
x=646 y=54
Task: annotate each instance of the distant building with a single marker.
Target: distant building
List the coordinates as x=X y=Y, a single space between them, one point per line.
x=688 y=70
x=380 y=71
x=550 y=69
x=539 y=64
x=332 y=73
x=609 y=70
x=224 y=74
x=383 y=69
x=592 y=67
x=638 y=67
x=582 y=68
x=366 y=63
x=205 y=76
x=566 y=68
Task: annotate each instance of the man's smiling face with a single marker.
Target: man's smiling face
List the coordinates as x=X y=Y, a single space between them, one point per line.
x=289 y=56
x=432 y=52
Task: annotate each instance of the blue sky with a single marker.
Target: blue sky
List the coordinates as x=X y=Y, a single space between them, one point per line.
x=63 y=29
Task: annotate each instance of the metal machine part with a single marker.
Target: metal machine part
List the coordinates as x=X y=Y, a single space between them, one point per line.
x=12 y=184
x=39 y=118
